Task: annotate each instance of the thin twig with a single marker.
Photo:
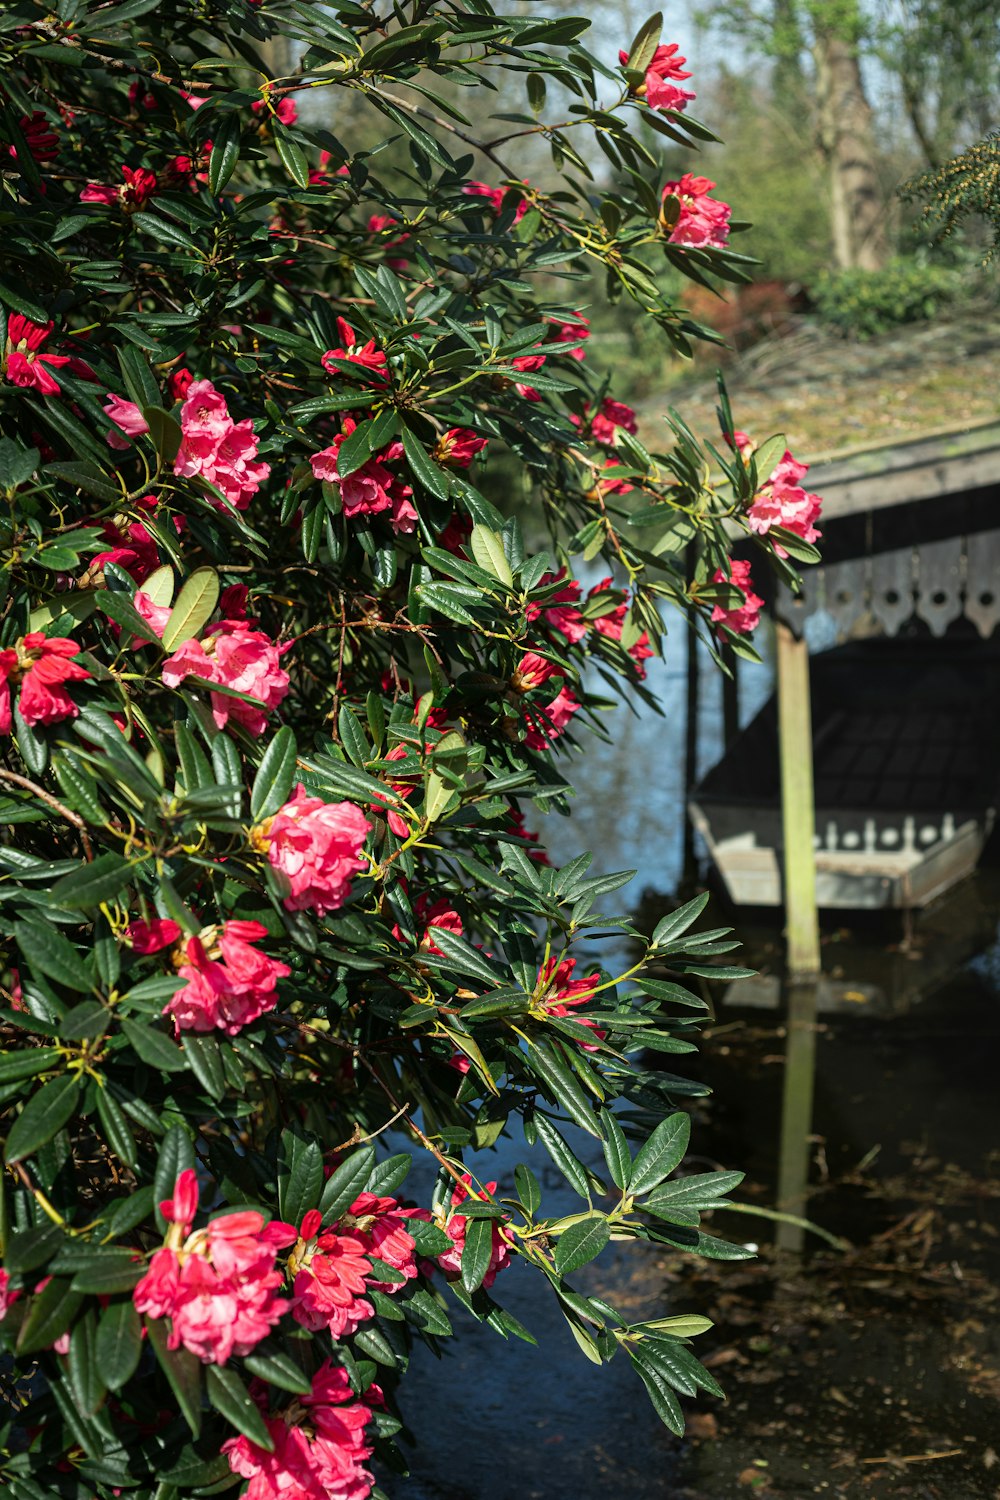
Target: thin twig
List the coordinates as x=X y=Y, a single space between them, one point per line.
x=53 y=802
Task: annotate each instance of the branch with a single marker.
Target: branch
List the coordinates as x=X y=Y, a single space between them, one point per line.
x=55 y=804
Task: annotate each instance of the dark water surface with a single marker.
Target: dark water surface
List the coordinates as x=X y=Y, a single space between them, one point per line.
x=871 y=1369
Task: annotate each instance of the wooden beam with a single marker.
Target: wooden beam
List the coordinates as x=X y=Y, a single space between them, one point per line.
x=690 y=748
x=797 y=806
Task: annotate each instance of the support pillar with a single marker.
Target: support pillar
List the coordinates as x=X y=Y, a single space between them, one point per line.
x=794 y=1151
x=690 y=750
x=797 y=805
x=730 y=698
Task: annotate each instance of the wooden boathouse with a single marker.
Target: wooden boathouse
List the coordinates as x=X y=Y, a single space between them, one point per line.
x=911 y=544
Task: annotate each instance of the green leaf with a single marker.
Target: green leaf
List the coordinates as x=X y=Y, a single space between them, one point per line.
x=154 y=1047
x=275 y=776
x=487 y=549
x=665 y=1403
x=476 y=1252
x=678 y=921
x=85 y=1374
x=300 y=1176
x=164 y=431
x=48 y=952
x=562 y=1083
x=425 y=470
x=93 y=884
x=278 y=1369
x=581 y=1243
x=527 y=1188
x=87 y=476
x=164 y=231
x=565 y=1159
x=645 y=43
x=616 y=1152
x=202 y=1052
x=117 y=1131
x=45 y=1113
x=226 y=140
x=176 y=1156
x=387 y=1175
x=232 y=1400
x=352 y=737
x=194 y=608
x=183 y=1372
x=31 y=1248
x=292 y=156
x=661 y=1153
x=701 y=1190
x=50 y=1312
x=348 y=1181
x=27 y=1064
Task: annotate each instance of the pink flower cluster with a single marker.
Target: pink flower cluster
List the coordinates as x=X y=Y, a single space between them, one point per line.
x=319 y=1445
x=286 y=110
x=331 y=1268
x=366 y=359
x=218 y=1285
x=39 y=137
x=458 y=447
x=372 y=489
x=437 y=915
x=703 y=221
x=229 y=983
x=557 y=992
x=42 y=665
x=743 y=618
x=24 y=364
x=664 y=71
x=236 y=656
x=222 y=451
x=612 y=624
x=454 y=1227
x=495 y=197
x=781 y=500
x=133 y=192
x=317 y=846
x=605 y=422
x=571 y=333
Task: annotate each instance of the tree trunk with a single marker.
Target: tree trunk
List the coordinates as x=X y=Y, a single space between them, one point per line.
x=858 y=214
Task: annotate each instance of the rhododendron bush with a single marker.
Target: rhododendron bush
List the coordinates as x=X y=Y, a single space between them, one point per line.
x=279 y=684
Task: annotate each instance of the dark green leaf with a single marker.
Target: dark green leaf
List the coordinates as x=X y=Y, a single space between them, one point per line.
x=45 y=1113
x=581 y=1243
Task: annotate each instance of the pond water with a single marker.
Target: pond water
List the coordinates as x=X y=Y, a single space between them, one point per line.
x=869 y=1369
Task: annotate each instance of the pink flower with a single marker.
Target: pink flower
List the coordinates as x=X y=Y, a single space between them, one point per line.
x=612 y=415
x=23 y=364
x=658 y=89
x=560 y=611
x=371 y=489
x=366 y=356
x=612 y=625
x=127 y=417
x=134 y=193
x=551 y=721
x=229 y=983
x=496 y=197
x=557 y=992
x=383 y=224
x=155 y=615
x=39 y=137
x=379 y=1227
x=403 y=787
x=781 y=501
x=151 y=936
x=319 y=1445
x=218 y=1285
x=437 y=915
x=135 y=549
x=7 y=1297
x=235 y=656
x=534 y=670
x=527 y=362
x=139 y=96
x=219 y=449
x=285 y=109
x=454 y=1227
x=317 y=846
x=702 y=220
x=458 y=447
x=43 y=667
x=330 y=1274
x=180 y=383
x=744 y=617
x=571 y=333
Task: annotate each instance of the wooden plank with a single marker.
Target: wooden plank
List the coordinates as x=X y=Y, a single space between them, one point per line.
x=795 y=1147
x=797 y=804
x=880 y=478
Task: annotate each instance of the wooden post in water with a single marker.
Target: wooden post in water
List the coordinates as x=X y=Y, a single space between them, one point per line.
x=798 y=814
x=796 y=1112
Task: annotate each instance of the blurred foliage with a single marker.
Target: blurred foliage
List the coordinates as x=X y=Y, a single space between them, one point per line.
x=862 y=304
